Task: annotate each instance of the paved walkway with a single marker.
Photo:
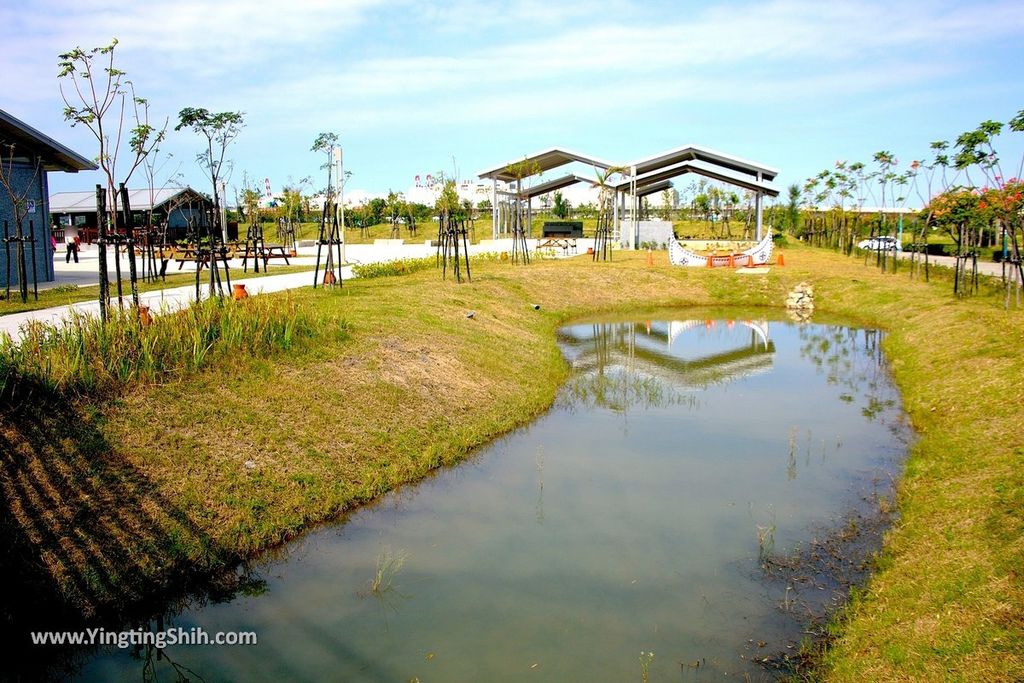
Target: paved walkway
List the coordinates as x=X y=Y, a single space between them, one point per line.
x=85 y=273
x=984 y=267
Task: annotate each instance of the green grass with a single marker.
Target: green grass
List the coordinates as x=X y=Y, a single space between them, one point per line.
x=250 y=449
x=85 y=356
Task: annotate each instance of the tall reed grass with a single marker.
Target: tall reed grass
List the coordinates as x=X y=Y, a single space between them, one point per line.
x=85 y=355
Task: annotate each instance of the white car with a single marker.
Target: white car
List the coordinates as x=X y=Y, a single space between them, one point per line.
x=880 y=244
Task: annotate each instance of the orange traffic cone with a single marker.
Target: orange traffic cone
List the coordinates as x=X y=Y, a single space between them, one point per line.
x=650 y=257
x=710 y=264
x=780 y=261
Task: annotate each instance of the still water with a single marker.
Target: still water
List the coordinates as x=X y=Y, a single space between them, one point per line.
x=626 y=520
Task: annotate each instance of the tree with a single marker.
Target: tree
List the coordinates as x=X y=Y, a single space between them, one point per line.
x=219 y=130
x=702 y=206
x=293 y=201
x=19 y=199
x=665 y=211
x=793 y=207
x=447 y=203
x=97 y=97
x=394 y=208
x=376 y=208
x=562 y=206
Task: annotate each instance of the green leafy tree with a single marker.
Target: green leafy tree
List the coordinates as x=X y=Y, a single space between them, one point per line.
x=448 y=203
x=561 y=208
x=793 y=207
x=665 y=210
x=219 y=130
x=376 y=207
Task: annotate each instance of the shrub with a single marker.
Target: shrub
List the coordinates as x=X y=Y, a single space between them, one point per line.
x=393 y=268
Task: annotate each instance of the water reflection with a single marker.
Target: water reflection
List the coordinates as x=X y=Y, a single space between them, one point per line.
x=656 y=364
x=567 y=548
x=852 y=360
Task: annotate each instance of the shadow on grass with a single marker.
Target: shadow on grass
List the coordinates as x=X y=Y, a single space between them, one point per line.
x=85 y=539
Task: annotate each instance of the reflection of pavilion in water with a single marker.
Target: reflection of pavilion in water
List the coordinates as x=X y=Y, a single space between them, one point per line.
x=656 y=350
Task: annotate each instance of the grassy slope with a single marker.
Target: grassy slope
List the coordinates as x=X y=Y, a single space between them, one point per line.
x=234 y=460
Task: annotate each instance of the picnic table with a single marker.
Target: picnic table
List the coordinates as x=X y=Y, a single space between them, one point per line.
x=567 y=245
x=267 y=252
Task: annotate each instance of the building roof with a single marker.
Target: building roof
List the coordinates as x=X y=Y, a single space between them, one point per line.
x=545 y=161
x=703 y=168
x=653 y=188
x=705 y=154
x=85 y=202
x=704 y=161
x=552 y=185
x=54 y=156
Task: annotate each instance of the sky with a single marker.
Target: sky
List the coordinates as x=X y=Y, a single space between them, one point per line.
x=413 y=88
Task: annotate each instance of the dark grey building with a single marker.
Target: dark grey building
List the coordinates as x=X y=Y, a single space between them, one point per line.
x=26 y=156
x=179 y=207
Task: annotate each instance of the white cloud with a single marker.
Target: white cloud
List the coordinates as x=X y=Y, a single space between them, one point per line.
x=404 y=69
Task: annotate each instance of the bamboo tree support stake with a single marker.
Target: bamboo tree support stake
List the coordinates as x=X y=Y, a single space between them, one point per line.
x=7 y=262
x=22 y=273
x=129 y=235
x=35 y=276
x=101 y=243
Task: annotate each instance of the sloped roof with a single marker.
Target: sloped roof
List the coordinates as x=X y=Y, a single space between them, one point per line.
x=703 y=168
x=556 y=184
x=54 y=156
x=545 y=161
x=650 y=169
x=85 y=202
x=653 y=188
x=698 y=153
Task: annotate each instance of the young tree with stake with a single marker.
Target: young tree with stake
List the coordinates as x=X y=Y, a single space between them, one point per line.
x=96 y=95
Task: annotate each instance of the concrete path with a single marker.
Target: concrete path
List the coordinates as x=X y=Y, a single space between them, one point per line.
x=984 y=267
x=85 y=273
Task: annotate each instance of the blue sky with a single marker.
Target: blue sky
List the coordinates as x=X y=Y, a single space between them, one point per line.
x=409 y=85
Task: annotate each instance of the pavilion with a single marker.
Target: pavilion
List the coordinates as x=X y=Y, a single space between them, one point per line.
x=639 y=178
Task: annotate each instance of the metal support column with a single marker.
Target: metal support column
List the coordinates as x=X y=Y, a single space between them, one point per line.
x=759 y=209
x=760 y=214
x=494 y=208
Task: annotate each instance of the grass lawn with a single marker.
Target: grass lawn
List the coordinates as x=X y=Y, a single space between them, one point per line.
x=113 y=496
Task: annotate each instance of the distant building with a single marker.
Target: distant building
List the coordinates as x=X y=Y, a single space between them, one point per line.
x=75 y=212
x=27 y=156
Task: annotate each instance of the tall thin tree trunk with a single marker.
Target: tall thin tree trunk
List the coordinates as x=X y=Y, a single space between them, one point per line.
x=101 y=239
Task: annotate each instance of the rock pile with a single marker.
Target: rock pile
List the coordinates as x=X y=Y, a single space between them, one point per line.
x=800 y=302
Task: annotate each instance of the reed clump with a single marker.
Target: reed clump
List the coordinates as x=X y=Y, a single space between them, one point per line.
x=86 y=355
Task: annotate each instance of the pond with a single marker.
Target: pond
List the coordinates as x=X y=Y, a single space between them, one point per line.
x=659 y=507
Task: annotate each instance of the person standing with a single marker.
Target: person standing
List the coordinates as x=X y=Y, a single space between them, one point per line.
x=71 y=243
